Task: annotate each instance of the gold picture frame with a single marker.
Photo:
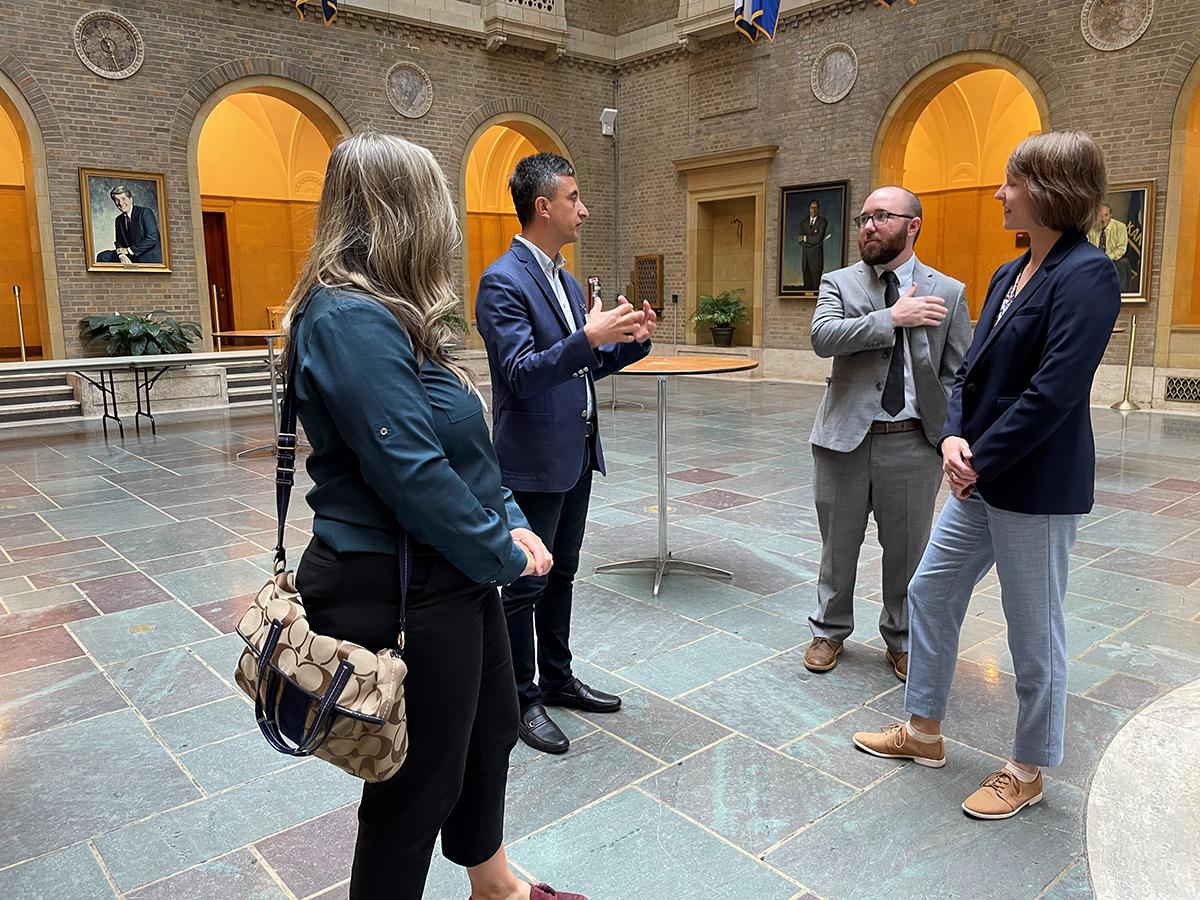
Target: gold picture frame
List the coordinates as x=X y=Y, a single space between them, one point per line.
x=1131 y=206
x=124 y=221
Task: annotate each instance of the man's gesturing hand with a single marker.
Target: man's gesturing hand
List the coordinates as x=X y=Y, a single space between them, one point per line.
x=910 y=311
x=649 y=323
x=618 y=325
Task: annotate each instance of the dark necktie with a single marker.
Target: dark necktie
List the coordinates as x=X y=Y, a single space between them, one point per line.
x=893 y=388
x=1104 y=238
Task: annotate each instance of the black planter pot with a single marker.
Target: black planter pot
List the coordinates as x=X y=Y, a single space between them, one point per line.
x=722 y=335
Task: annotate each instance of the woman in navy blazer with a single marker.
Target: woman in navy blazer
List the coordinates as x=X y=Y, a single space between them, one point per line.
x=1018 y=450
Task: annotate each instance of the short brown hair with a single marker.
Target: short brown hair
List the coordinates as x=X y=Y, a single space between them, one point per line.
x=1066 y=176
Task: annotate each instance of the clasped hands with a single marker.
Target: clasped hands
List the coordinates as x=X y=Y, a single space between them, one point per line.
x=956 y=463
x=623 y=324
x=538 y=560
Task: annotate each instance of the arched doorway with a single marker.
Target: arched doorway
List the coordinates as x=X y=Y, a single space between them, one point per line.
x=1177 y=344
x=489 y=218
x=261 y=161
x=260 y=210
x=947 y=138
x=27 y=251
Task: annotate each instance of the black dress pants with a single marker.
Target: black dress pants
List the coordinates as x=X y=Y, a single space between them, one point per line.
x=542 y=603
x=462 y=710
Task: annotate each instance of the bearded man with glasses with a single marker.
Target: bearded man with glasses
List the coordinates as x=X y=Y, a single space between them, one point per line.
x=897 y=331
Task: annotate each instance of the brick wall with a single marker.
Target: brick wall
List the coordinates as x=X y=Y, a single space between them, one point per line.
x=142 y=123
x=735 y=94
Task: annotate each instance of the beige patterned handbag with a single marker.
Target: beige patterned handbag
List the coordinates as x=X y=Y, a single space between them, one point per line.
x=314 y=694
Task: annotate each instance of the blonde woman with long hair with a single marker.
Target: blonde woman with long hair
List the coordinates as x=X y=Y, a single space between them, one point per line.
x=401 y=457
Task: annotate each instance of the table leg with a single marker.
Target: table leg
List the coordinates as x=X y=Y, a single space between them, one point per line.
x=613 y=402
x=664 y=562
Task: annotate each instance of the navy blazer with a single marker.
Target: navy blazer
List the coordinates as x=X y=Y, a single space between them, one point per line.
x=140 y=235
x=1020 y=398
x=540 y=371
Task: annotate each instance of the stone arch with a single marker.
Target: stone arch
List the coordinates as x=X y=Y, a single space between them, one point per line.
x=1177 y=271
x=532 y=121
x=32 y=114
x=310 y=93
x=932 y=70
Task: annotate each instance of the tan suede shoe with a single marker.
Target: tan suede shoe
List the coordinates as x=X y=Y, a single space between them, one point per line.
x=1003 y=795
x=899 y=662
x=822 y=654
x=894 y=742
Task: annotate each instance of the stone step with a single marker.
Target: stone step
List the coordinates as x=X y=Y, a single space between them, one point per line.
x=23 y=396
x=30 y=380
x=249 y=394
x=30 y=412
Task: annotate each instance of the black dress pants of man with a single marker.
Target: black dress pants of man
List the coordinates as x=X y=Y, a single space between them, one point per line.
x=542 y=604
x=460 y=702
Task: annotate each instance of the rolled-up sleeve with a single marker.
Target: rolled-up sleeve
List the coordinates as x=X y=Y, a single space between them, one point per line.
x=363 y=364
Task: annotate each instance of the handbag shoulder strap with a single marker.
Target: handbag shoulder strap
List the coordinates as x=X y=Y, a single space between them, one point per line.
x=285 y=473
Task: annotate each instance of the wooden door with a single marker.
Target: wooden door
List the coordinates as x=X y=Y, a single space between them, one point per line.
x=216 y=254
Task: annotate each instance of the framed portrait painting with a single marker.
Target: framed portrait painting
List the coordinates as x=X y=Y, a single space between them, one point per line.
x=124 y=221
x=1125 y=235
x=812 y=235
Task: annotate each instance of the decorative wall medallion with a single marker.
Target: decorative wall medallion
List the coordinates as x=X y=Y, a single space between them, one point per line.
x=409 y=89
x=1115 y=24
x=108 y=44
x=834 y=72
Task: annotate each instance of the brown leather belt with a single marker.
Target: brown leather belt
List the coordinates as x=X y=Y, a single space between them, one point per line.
x=895 y=427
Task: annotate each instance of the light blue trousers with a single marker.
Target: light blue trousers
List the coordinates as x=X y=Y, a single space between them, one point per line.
x=1031 y=554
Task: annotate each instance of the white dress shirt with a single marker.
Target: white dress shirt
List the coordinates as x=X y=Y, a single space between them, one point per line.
x=552 y=268
x=904 y=273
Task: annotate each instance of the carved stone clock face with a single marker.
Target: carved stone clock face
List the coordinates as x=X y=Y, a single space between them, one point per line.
x=409 y=89
x=108 y=44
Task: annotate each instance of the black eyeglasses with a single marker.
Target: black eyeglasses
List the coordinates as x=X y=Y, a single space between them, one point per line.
x=880 y=218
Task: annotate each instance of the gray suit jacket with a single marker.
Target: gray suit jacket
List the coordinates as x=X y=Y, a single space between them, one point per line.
x=853 y=325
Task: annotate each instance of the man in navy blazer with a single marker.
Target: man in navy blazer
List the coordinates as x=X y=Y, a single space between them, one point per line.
x=137 y=237
x=545 y=350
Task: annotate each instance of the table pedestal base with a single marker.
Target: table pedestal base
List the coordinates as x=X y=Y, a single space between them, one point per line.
x=663 y=565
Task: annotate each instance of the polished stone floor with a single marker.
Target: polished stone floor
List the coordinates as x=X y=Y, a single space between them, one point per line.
x=129 y=766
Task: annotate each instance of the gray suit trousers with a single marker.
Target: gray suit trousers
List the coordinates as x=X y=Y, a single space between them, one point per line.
x=896 y=477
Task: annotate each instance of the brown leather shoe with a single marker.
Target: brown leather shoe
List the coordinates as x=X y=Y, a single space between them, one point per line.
x=545 y=892
x=894 y=742
x=1003 y=795
x=822 y=654
x=899 y=662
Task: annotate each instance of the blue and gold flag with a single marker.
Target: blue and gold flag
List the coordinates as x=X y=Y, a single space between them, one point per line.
x=328 y=9
x=755 y=17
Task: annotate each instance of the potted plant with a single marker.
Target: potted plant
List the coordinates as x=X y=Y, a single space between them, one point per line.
x=722 y=313
x=136 y=335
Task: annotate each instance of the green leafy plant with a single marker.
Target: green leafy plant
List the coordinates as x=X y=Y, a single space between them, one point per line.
x=723 y=310
x=155 y=333
x=456 y=322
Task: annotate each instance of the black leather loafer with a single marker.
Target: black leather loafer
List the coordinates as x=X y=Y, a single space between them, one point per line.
x=539 y=731
x=578 y=695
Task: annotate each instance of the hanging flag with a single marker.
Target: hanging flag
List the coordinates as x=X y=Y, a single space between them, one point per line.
x=755 y=17
x=888 y=3
x=328 y=9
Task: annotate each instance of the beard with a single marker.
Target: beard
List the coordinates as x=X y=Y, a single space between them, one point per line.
x=879 y=251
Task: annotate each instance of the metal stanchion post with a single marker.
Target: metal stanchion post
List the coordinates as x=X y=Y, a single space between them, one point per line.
x=216 y=302
x=20 y=321
x=1126 y=404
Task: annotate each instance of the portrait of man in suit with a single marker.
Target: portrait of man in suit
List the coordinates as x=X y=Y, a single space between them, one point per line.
x=812 y=236
x=135 y=238
x=812 y=242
